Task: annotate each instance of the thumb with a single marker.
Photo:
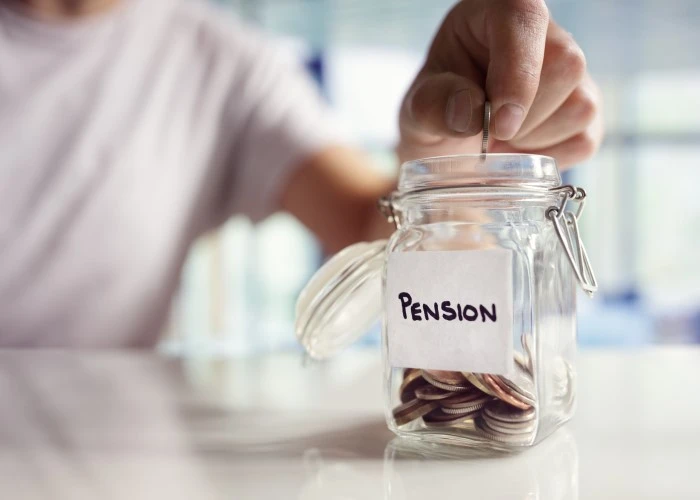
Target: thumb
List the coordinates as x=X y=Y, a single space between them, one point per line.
x=444 y=104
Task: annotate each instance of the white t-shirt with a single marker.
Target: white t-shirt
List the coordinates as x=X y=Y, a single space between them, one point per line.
x=123 y=137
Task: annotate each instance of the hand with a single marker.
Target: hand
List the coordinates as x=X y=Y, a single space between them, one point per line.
x=533 y=72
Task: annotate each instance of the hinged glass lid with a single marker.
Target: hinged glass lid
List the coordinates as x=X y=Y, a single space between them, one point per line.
x=342 y=300
x=512 y=170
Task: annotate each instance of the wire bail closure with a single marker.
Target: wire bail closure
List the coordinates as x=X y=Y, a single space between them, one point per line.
x=566 y=225
x=385 y=204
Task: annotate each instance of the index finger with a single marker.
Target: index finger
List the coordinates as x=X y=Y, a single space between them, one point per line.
x=516 y=31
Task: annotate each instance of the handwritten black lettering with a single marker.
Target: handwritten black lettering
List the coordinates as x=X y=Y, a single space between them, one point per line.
x=446 y=310
x=470 y=312
x=448 y=313
x=485 y=312
x=428 y=312
x=406 y=300
x=415 y=312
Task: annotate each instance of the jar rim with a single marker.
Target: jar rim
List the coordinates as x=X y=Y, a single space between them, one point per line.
x=471 y=170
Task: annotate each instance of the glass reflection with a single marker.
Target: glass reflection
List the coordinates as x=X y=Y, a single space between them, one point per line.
x=415 y=470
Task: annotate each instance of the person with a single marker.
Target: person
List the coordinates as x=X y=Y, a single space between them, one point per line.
x=130 y=127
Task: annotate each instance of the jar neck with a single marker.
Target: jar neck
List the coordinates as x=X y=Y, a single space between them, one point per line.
x=480 y=204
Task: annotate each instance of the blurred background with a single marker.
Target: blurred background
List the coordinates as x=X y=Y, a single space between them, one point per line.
x=642 y=221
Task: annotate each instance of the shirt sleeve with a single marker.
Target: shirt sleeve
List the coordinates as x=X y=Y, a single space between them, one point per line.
x=281 y=120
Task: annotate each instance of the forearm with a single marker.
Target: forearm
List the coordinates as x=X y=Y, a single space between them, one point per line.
x=334 y=194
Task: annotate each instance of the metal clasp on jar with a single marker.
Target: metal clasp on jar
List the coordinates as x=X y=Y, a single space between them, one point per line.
x=566 y=225
x=385 y=204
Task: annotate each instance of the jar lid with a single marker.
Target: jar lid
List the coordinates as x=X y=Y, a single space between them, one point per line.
x=500 y=169
x=342 y=300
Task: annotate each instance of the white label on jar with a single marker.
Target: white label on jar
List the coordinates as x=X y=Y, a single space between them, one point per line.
x=451 y=310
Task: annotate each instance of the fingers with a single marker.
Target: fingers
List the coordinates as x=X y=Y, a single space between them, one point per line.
x=446 y=105
x=532 y=71
x=569 y=152
x=516 y=31
x=574 y=116
x=563 y=69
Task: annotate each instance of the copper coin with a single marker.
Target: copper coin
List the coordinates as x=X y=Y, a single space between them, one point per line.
x=432 y=393
x=520 y=390
x=412 y=410
x=411 y=381
x=520 y=384
x=503 y=393
x=463 y=385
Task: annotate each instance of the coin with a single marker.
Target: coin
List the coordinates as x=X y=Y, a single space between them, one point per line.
x=562 y=374
x=438 y=418
x=525 y=340
x=499 y=410
x=502 y=392
x=475 y=379
x=501 y=427
x=412 y=410
x=492 y=435
x=411 y=381
x=518 y=391
x=462 y=386
x=497 y=423
x=487 y=124
x=432 y=393
x=466 y=409
x=521 y=360
x=445 y=376
x=520 y=384
x=465 y=400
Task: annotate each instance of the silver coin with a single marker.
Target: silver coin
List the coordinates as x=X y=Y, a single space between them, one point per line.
x=446 y=376
x=526 y=340
x=521 y=360
x=438 y=418
x=520 y=391
x=497 y=424
x=447 y=387
x=465 y=399
x=504 y=412
x=521 y=385
x=487 y=126
x=463 y=410
x=509 y=428
x=562 y=374
x=488 y=433
x=503 y=392
x=432 y=393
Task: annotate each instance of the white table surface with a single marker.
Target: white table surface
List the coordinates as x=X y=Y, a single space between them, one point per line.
x=134 y=425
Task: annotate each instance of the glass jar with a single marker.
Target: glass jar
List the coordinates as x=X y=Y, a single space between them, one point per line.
x=476 y=288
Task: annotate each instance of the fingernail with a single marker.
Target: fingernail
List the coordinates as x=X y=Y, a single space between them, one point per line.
x=508 y=121
x=459 y=111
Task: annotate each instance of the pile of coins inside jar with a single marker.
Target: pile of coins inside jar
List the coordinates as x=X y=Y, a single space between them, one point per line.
x=499 y=408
